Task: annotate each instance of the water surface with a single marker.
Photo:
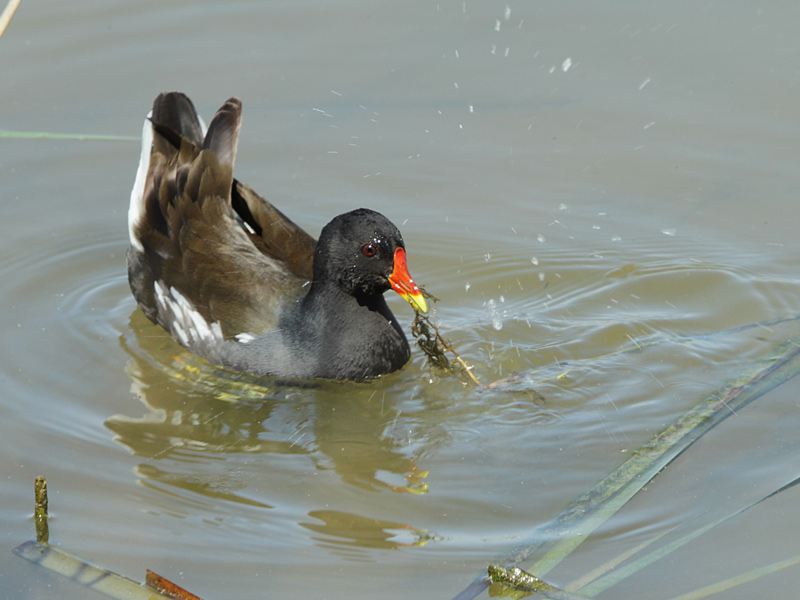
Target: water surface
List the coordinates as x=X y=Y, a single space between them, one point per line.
x=570 y=179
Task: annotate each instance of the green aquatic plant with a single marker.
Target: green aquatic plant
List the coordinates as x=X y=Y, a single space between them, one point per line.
x=436 y=347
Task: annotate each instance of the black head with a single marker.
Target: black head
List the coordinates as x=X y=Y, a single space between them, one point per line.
x=357 y=250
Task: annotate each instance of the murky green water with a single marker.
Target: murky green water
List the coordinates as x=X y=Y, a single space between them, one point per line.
x=570 y=180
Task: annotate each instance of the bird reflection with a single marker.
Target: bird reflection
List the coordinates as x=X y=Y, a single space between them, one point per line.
x=346 y=533
x=195 y=411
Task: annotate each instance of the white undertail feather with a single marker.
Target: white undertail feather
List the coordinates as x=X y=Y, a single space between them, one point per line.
x=187 y=324
x=136 y=208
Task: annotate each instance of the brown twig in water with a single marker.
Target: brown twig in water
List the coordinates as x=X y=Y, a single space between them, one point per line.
x=164 y=586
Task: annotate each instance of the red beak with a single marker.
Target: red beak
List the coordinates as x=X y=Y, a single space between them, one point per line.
x=403 y=284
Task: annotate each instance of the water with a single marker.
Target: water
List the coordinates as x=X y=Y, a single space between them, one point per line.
x=569 y=179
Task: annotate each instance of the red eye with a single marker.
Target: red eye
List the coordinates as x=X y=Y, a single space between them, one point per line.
x=369 y=250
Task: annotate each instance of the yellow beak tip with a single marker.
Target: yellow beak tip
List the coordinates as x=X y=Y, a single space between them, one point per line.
x=418 y=302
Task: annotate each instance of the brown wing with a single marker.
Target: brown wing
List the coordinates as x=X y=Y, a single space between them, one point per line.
x=225 y=249
x=274 y=233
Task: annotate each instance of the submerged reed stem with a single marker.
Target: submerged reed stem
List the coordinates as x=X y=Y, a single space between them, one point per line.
x=8 y=12
x=40 y=510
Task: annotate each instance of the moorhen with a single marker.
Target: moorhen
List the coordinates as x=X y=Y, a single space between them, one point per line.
x=234 y=280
